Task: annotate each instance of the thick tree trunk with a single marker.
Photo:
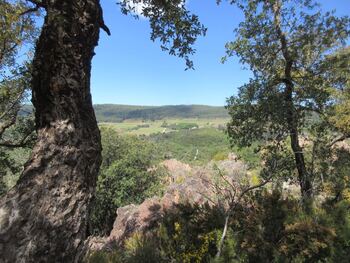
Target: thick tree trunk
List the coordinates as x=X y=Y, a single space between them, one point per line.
x=44 y=218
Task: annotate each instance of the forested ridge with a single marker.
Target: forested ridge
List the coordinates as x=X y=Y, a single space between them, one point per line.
x=118 y=113
x=264 y=179
x=115 y=113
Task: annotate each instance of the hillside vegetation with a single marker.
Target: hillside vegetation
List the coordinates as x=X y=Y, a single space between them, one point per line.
x=265 y=179
x=148 y=127
x=118 y=113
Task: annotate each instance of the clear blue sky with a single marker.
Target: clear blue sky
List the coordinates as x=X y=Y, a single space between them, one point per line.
x=130 y=69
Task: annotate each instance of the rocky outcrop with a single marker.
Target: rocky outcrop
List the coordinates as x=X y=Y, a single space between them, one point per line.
x=189 y=185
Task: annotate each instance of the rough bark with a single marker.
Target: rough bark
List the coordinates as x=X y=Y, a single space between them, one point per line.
x=291 y=114
x=44 y=217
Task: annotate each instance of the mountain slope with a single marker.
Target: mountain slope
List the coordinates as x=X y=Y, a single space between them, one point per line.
x=116 y=113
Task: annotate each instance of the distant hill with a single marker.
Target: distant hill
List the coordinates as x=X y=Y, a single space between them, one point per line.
x=117 y=113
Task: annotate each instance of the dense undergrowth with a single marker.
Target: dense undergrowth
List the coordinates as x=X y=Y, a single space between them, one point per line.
x=200 y=146
x=266 y=225
x=271 y=229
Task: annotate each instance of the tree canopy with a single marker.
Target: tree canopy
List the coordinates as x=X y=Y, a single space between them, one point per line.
x=171 y=24
x=298 y=80
x=17 y=34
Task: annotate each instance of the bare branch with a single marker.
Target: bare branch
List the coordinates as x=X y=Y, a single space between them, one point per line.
x=102 y=23
x=339 y=139
x=30 y=10
x=251 y=188
x=22 y=143
x=38 y=3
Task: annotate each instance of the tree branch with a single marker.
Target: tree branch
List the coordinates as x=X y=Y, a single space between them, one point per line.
x=38 y=3
x=30 y=10
x=11 y=107
x=23 y=143
x=7 y=125
x=339 y=139
x=102 y=23
x=251 y=188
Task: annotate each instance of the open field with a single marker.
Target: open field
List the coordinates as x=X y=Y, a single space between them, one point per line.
x=141 y=127
x=197 y=145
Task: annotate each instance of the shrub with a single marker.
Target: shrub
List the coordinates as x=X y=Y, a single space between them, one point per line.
x=128 y=175
x=268 y=228
x=183 y=145
x=220 y=156
x=183 y=126
x=142 y=248
x=115 y=256
x=337 y=216
x=277 y=230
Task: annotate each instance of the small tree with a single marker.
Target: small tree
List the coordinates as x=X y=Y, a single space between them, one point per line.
x=286 y=44
x=128 y=174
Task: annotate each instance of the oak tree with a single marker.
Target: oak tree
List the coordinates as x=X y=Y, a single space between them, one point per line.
x=286 y=44
x=44 y=217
